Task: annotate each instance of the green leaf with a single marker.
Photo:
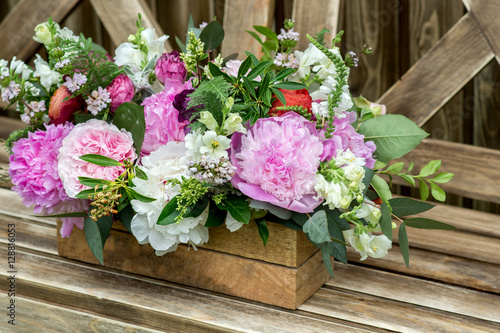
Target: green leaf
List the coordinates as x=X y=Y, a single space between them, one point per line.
x=430 y=168
x=250 y=88
x=181 y=45
x=338 y=250
x=325 y=253
x=125 y=216
x=424 y=190
x=423 y=223
x=290 y=85
x=85 y=193
x=92 y=182
x=379 y=165
x=403 y=244
x=216 y=216
x=393 y=134
x=264 y=86
x=395 y=168
x=317 y=228
x=385 y=220
x=212 y=35
x=278 y=94
x=130 y=117
x=267 y=32
x=438 y=192
x=381 y=187
x=408 y=179
x=257 y=70
x=300 y=218
x=132 y=194
x=140 y=174
x=238 y=207
x=94 y=239
x=442 y=177
x=74 y=214
x=405 y=206
x=100 y=160
x=283 y=74
x=244 y=67
x=83 y=117
x=169 y=212
x=216 y=71
x=198 y=208
x=104 y=223
x=263 y=231
x=369 y=173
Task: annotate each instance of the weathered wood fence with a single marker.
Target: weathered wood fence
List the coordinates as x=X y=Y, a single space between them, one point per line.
x=434 y=61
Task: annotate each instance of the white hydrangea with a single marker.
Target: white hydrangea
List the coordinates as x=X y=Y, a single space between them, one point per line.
x=368 y=245
x=167 y=162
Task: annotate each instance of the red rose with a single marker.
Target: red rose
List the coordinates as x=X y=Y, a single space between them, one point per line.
x=292 y=97
x=61 y=110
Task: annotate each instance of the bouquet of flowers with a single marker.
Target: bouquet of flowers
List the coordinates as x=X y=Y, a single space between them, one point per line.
x=171 y=144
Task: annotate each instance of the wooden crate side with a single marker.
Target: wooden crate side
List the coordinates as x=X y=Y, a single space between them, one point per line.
x=220 y=272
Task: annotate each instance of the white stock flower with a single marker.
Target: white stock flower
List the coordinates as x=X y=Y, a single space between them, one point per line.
x=155 y=46
x=128 y=55
x=331 y=192
x=306 y=59
x=208 y=120
x=46 y=75
x=371 y=213
x=167 y=162
x=233 y=124
x=42 y=33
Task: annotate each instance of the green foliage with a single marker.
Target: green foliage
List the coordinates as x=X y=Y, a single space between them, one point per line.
x=19 y=134
x=381 y=187
x=320 y=36
x=317 y=228
x=100 y=160
x=405 y=206
x=212 y=36
x=423 y=223
x=385 y=220
x=96 y=233
x=393 y=134
x=404 y=246
x=217 y=87
x=216 y=216
x=130 y=117
x=263 y=230
x=237 y=206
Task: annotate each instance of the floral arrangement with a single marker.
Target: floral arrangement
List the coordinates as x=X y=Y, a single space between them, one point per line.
x=171 y=144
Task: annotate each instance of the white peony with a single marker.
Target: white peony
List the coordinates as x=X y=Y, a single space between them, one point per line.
x=167 y=162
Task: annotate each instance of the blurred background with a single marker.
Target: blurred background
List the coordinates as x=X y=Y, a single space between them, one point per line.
x=400 y=33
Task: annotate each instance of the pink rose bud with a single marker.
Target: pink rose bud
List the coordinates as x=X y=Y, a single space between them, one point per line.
x=170 y=66
x=120 y=90
x=377 y=109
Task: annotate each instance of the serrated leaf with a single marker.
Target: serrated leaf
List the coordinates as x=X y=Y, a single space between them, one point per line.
x=381 y=187
x=386 y=221
x=130 y=117
x=423 y=223
x=442 y=177
x=393 y=134
x=405 y=206
x=317 y=227
x=403 y=244
x=93 y=238
x=238 y=207
x=424 y=190
x=100 y=160
x=438 y=192
x=263 y=230
x=430 y=168
x=395 y=168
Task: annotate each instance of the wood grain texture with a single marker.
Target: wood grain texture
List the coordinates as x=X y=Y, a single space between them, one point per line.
x=36 y=316
x=486 y=14
x=153 y=303
x=268 y=283
x=313 y=15
x=240 y=16
x=122 y=23
x=476 y=169
x=21 y=22
x=9 y=125
x=437 y=77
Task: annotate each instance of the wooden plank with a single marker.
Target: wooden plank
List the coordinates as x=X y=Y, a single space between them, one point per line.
x=21 y=22
x=36 y=316
x=240 y=16
x=216 y=271
x=153 y=303
x=437 y=267
x=476 y=169
x=391 y=315
x=122 y=23
x=437 y=77
x=9 y=125
x=16 y=208
x=417 y=291
x=313 y=15
x=375 y=23
x=486 y=14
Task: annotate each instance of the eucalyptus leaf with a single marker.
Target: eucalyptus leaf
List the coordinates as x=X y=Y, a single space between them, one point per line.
x=369 y=173
x=125 y=216
x=130 y=117
x=325 y=253
x=393 y=134
x=386 y=221
x=405 y=206
x=74 y=214
x=317 y=228
x=423 y=223
x=212 y=35
x=403 y=244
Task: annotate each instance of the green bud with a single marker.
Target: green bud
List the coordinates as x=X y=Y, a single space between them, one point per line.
x=289 y=24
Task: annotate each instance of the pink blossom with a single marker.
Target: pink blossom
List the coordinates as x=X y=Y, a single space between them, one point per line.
x=170 y=66
x=232 y=67
x=93 y=137
x=277 y=161
x=346 y=137
x=162 y=119
x=33 y=171
x=120 y=90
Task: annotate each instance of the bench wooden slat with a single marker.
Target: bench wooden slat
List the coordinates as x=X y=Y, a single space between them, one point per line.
x=18 y=26
x=152 y=303
x=36 y=316
x=437 y=76
x=119 y=18
x=476 y=169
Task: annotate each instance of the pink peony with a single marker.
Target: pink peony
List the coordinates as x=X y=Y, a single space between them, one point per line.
x=33 y=171
x=277 y=161
x=346 y=137
x=170 y=67
x=93 y=137
x=120 y=90
x=162 y=119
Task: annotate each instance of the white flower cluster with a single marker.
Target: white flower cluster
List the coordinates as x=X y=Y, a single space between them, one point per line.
x=217 y=171
x=366 y=244
x=208 y=143
x=98 y=100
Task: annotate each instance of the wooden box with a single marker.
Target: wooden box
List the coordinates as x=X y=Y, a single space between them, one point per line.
x=285 y=273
